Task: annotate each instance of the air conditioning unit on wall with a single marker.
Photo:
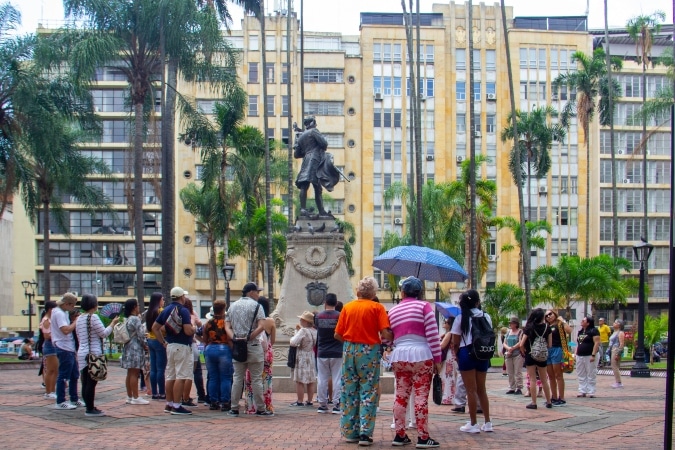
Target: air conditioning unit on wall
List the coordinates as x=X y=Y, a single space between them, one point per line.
x=430 y=157
x=378 y=96
x=460 y=159
x=492 y=257
x=491 y=96
x=543 y=189
x=626 y=180
x=398 y=221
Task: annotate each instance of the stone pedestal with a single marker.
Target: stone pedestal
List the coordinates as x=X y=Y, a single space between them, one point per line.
x=315 y=265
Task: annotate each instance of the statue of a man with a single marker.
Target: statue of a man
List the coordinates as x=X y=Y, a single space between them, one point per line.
x=317 y=166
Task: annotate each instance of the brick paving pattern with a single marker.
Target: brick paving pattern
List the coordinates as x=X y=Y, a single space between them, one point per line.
x=617 y=419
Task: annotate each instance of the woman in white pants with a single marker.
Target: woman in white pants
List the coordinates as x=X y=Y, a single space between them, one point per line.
x=588 y=342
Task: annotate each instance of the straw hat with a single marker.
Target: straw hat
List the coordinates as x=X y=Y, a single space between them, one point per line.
x=307 y=316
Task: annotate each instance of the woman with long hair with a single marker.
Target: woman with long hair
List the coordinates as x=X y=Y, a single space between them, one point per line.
x=536 y=327
x=157 y=350
x=449 y=370
x=559 y=332
x=49 y=360
x=588 y=343
x=616 y=343
x=473 y=370
x=218 y=354
x=267 y=339
x=133 y=352
x=90 y=334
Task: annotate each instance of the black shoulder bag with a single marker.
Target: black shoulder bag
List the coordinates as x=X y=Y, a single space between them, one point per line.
x=240 y=345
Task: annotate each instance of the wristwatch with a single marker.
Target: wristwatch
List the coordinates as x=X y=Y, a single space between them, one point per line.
x=593 y=355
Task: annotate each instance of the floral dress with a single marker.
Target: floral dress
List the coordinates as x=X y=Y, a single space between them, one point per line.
x=133 y=353
x=449 y=377
x=305 y=368
x=266 y=376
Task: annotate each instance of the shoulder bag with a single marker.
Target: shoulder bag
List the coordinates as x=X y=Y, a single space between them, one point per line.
x=437 y=389
x=240 y=345
x=97 y=365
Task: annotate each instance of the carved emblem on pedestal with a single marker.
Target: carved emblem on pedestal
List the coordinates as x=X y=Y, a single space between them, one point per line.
x=316 y=293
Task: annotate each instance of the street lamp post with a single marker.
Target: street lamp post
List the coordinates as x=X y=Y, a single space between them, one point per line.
x=32 y=285
x=228 y=271
x=642 y=252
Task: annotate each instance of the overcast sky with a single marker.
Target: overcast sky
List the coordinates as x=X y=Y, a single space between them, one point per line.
x=343 y=15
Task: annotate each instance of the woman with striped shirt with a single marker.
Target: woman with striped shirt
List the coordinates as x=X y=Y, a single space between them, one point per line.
x=416 y=357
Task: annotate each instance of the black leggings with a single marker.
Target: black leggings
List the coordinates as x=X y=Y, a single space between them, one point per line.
x=88 y=389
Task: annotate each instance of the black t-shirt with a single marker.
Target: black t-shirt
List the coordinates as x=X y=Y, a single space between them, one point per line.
x=585 y=341
x=541 y=329
x=555 y=334
x=328 y=346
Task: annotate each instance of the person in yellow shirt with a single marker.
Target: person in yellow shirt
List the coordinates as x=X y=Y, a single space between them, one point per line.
x=605 y=332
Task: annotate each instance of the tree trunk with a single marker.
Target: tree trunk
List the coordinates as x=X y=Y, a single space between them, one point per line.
x=302 y=62
x=519 y=182
x=213 y=274
x=290 y=116
x=46 y=266
x=407 y=18
x=473 y=256
x=138 y=201
x=168 y=177
x=645 y=192
x=418 y=136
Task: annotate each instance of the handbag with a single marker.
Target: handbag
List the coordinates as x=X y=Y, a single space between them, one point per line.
x=292 y=356
x=97 y=365
x=240 y=345
x=437 y=389
x=568 y=358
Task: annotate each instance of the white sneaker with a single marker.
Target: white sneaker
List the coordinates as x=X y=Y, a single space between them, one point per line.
x=617 y=386
x=128 y=400
x=64 y=405
x=468 y=428
x=50 y=396
x=412 y=425
x=393 y=426
x=487 y=427
x=78 y=403
x=139 y=401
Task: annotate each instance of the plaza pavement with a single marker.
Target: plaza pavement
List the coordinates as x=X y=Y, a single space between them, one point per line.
x=617 y=419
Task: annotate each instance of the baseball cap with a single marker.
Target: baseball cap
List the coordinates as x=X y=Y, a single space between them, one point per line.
x=248 y=287
x=178 y=292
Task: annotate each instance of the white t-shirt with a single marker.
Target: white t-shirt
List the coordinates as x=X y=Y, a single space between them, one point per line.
x=60 y=318
x=466 y=339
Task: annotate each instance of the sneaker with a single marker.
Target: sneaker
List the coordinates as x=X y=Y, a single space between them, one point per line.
x=351 y=440
x=468 y=428
x=519 y=392
x=128 y=400
x=336 y=409
x=50 y=396
x=94 y=413
x=168 y=409
x=309 y=404
x=531 y=406
x=549 y=405
x=225 y=406
x=77 y=403
x=189 y=402
x=233 y=412
x=180 y=411
x=322 y=409
x=44 y=385
x=412 y=425
x=560 y=403
x=214 y=407
x=459 y=409
x=297 y=404
x=487 y=427
x=401 y=441
x=204 y=400
x=617 y=385
x=265 y=413
x=64 y=405
x=427 y=443
x=510 y=392
x=365 y=441
x=139 y=401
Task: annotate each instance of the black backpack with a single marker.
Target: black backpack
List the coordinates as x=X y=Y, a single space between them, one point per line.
x=483 y=338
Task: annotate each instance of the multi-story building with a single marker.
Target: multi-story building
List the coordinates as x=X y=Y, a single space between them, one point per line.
x=358 y=89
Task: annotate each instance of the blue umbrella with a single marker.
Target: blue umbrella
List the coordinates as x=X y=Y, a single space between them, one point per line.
x=448 y=310
x=422 y=262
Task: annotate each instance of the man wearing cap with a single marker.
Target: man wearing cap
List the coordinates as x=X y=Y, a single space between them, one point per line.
x=246 y=314
x=63 y=339
x=329 y=352
x=179 y=365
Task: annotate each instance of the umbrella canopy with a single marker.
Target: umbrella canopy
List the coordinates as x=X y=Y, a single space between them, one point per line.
x=17 y=342
x=422 y=262
x=448 y=310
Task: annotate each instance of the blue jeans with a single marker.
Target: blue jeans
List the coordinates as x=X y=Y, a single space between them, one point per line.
x=219 y=365
x=68 y=373
x=157 y=366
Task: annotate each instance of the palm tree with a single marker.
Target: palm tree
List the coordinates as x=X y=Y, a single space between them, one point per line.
x=533 y=232
x=502 y=301
x=589 y=82
x=620 y=287
x=206 y=205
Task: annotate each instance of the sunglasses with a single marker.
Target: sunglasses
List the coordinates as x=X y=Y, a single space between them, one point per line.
x=549 y=315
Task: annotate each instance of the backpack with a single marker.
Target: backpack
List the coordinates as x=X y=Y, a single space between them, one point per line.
x=483 y=338
x=121 y=333
x=539 y=347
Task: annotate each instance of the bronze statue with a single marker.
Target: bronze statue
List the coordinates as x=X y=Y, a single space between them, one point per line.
x=317 y=166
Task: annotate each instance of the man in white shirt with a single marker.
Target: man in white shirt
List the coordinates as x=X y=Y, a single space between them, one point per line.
x=64 y=342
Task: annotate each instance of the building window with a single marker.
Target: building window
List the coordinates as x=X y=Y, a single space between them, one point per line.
x=284 y=106
x=430 y=87
x=270 y=105
x=490 y=59
x=270 y=43
x=269 y=72
x=397 y=52
x=461 y=123
x=476 y=123
x=387 y=86
x=523 y=58
x=377 y=52
x=253 y=72
x=387 y=152
x=323 y=76
x=284 y=73
x=430 y=53
x=324 y=108
x=490 y=88
x=476 y=91
x=460 y=59
x=377 y=85
x=491 y=124
x=476 y=60
x=397 y=86
x=377 y=118
x=460 y=90
x=252 y=105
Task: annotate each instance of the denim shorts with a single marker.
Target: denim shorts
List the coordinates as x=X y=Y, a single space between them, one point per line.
x=555 y=355
x=48 y=348
x=466 y=361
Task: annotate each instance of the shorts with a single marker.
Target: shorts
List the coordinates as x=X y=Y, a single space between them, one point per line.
x=179 y=362
x=555 y=355
x=466 y=361
x=48 y=348
x=529 y=361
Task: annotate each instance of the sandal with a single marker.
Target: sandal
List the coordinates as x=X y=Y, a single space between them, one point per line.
x=531 y=406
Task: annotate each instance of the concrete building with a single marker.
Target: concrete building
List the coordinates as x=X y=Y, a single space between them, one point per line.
x=357 y=88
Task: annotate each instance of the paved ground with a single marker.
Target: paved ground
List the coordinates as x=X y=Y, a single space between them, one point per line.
x=616 y=419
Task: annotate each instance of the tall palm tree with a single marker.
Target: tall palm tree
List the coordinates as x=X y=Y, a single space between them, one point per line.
x=589 y=82
x=502 y=301
x=533 y=231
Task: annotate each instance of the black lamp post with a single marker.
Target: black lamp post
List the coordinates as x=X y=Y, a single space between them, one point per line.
x=642 y=252
x=32 y=285
x=228 y=271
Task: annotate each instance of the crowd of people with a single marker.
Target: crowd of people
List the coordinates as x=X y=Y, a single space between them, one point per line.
x=339 y=352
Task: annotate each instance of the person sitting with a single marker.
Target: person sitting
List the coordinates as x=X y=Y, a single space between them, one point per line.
x=26 y=352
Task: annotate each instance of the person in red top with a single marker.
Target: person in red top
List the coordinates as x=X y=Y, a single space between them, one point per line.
x=362 y=325
x=218 y=356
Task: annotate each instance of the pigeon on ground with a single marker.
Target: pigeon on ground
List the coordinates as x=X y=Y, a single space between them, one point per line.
x=297 y=228
x=321 y=228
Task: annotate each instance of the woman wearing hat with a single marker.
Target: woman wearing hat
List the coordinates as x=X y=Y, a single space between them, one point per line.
x=304 y=373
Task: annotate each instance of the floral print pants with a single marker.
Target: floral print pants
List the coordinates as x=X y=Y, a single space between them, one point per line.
x=360 y=378
x=411 y=376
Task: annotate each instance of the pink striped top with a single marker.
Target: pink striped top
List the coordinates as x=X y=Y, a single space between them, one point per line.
x=413 y=316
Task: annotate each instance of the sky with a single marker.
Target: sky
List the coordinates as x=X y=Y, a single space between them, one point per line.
x=343 y=15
